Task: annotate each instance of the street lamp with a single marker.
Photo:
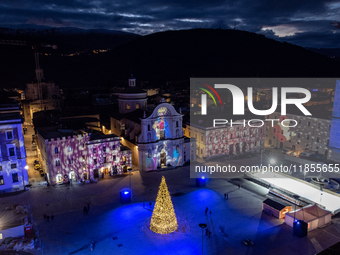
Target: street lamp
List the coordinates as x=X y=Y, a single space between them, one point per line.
x=202 y=226
x=272 y=161
x=296 y=198
x=130 y=169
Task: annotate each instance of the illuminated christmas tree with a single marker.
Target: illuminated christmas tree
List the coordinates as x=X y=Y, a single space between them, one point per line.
x=163 y=220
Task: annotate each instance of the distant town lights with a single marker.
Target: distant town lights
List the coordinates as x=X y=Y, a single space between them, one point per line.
x=272 y=161
x=26 y=167
x=126 y=192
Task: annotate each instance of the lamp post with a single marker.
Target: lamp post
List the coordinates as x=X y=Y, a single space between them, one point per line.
x=296 y=198
x=130 y=169
x=202 y=226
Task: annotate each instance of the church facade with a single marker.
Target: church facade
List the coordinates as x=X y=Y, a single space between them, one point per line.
x=161 y=142
x=156 y=138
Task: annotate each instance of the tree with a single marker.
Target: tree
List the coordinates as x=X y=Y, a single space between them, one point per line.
x=163 y=220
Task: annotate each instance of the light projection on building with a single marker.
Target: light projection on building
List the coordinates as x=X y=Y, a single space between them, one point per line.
x=161 y=126
x=281 y=132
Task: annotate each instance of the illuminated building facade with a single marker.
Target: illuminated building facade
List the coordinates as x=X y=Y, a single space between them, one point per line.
x=224 y=139
x=68 y=154
x=161 y=142
x=13 y=167
x=310 y=134
x=155 y=138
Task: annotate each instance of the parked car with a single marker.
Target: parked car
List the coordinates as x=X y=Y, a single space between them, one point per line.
x=305 y=154
x=36 y=162
x=36 y=167
x=42 y=174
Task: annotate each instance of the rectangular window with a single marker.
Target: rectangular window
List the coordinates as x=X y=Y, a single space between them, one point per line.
x=11 y=151
x=9 y=135
x=114 y=157
x=95 y=161
x=0 y=168
x=113 y=147
x=201 y=151
x=94 y=150
x=15 y=177
x=57 y=162
x=104 y=148
x=318 y=139
x=13 y=166
x=56 y=150
x=308 y=123
x=137 y=106
x=69 y=148
x=307 y=137
x=104 y=159
x=2 y=180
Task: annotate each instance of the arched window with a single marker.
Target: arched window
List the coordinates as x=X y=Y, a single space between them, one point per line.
x=149 y=153
x=137 y=106
x=127 y=106
x=177 y=133
x=270 y=141
x=148 y=127
x=149 y=137
x=176 y=123
x=57 y=162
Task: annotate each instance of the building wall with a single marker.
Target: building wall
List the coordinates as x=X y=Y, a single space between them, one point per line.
x=212 y=142
x=81 y=156
x=310 y=133
x=12 y=164
x=161 y=142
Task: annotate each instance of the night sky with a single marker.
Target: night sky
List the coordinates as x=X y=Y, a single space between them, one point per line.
x=301 y=22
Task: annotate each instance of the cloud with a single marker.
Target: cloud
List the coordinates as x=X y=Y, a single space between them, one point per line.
x=304 y=22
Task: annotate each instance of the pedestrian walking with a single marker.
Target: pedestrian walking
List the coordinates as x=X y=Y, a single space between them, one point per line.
x=150 y=204
x=45 y=217
x=143 y=205
x=52 y=217
x=209 y=232
x=84 y=210
x=48 y=218
x=225 y=195
x=210 y=213
x=92 y=246
x=206 y=231
x=206 y=211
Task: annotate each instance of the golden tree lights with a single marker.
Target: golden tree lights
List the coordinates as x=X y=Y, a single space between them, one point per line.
x=163 y=220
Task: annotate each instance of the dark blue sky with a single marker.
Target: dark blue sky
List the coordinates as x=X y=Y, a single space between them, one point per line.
x=301 y=22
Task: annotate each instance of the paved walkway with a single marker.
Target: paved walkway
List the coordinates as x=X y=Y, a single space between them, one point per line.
x=118 y=229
